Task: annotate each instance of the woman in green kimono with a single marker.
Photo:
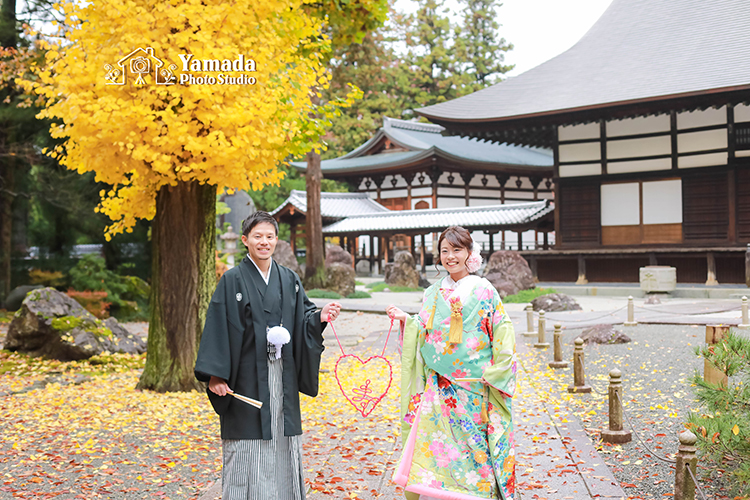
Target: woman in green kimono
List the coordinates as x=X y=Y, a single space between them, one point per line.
x=458 y=375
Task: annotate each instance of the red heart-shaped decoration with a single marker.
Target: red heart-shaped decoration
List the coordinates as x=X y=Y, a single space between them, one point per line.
x=361 y=387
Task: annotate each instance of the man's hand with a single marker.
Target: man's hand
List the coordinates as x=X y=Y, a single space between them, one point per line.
x=330 y=312
x=396 y=313
x=218 y=386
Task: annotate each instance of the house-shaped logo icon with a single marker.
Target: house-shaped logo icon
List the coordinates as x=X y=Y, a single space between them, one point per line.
x=138 y=64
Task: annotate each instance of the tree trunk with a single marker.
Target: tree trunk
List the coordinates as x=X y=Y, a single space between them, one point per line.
x=315 y=252
x=8 y=38
x=183 y=278
x=6 y=227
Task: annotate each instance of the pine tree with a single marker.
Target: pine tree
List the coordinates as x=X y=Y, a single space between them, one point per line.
x=723 y=424
x=479 y=48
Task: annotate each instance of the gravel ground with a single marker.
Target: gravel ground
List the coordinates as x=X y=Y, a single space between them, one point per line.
x=656 y=368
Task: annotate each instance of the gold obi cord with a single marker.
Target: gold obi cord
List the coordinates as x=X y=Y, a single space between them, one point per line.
x=457 y=322
x=428 y=326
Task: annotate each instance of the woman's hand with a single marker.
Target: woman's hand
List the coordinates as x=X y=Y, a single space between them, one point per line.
x=396 y=313
x=330 y=312
x=218 y=386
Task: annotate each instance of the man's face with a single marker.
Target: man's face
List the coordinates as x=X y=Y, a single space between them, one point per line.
x=261 y=241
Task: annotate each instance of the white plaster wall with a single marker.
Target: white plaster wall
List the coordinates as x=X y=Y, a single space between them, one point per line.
x=620 y=204
x=580 y=152
x=574 y=132
x=702 y=141
x=580 y=170
x=703 y=118
x=631 y=148
x=622 y=167
x=742 y=113
x=638 y=125
x=662 y=202
x=709 y=160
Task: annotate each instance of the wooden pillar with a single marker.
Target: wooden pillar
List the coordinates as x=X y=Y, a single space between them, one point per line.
x=711 y=274
x=342 y=241
x=492 y=242
x=503 y=240
x=535 y=181
x=467 y=177
x=532 y=266
x=582 y=280
x=502 y=179
x=520 y=240
x=546 y=240
x=293 y=237
x=422 y=254
x=372 y=251
x=434 y=177
x=386 y=243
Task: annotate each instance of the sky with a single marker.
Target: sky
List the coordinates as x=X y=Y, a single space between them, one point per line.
x=538 y=29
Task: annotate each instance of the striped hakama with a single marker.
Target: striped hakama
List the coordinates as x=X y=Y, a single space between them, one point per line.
x=257 y=469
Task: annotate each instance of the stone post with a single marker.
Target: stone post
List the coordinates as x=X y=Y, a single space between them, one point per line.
x=230 y=245
x=747 y=266
x=684 y=487
x=579 y=377
x=558 y=362
x=615 y=433
x=631 y=313
x=745 y=320
x=711 y=374
x=529 y=322
x=541 y=341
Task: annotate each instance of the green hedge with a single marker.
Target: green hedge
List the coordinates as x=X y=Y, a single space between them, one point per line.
x=359 y=295
x=317 y=293
x=525 y=296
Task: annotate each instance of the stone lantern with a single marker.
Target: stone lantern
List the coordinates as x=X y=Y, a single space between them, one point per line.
x=230 y=245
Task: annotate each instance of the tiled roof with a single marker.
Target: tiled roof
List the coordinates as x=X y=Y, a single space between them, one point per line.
x=638 y=50
x=335 y=205
x=424 y=140
x=495 y=216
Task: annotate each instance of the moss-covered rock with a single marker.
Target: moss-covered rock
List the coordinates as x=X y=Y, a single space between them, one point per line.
x=53 y=325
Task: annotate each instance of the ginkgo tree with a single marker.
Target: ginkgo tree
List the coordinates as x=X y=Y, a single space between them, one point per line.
x=112 y=89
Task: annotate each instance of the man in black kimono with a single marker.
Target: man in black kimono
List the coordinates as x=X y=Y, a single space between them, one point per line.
x=261 y=446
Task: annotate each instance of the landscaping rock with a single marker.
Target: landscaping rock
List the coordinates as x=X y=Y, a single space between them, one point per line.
x=284 y=256
x=15 y=298
x=508 y=266
x=603 y=334
x=55 y=326
x=340 y=279
x=337 y=255
x=363 y=268
x=555 y=302
x=402 y=271
x=502 y=285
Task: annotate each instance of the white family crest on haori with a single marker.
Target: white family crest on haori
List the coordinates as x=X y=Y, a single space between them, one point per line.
x=238 y=297
x=278 y=336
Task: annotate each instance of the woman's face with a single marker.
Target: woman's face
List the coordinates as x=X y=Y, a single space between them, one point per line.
x=453 y=258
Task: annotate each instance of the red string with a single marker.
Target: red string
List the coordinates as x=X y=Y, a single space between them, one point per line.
x=339 y=342
x=387 y=337
x=335 y=335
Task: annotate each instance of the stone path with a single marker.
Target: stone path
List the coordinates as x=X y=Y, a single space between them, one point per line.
x=554 y=461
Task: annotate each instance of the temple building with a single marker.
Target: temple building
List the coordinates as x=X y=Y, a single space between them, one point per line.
x=648 y=121
x=413 y=166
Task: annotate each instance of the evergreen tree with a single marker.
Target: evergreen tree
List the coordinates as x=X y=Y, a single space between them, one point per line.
x=723 y=425
x=479 y=48
x=415 y=60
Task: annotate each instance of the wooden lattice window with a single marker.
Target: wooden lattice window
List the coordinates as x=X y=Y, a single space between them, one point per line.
x=742 y=136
